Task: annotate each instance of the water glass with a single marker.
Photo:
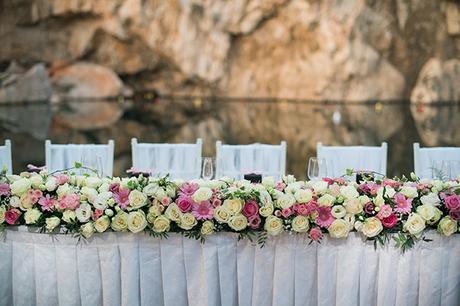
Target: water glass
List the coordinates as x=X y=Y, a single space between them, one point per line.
x=316 y=168
x=207 y=171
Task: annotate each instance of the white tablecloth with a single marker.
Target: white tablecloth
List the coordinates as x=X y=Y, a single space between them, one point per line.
x=125 y=269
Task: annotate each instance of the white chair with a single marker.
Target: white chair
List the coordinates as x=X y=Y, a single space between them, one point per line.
x=5 y=157
x=425 y=158
x=64 y=156
x=236 y=160
x=179 y=160
x=340 y=158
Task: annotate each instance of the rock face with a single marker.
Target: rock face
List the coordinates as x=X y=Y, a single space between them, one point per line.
x=317 y=50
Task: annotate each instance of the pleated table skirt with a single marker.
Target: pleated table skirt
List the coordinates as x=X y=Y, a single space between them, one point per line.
x=135 y=269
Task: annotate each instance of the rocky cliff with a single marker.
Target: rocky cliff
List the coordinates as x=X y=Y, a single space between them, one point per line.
x=321 y=50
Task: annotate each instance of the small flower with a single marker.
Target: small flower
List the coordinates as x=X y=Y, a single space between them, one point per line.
x=315 y=234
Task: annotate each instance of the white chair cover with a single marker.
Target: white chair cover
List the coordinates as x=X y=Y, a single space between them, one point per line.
x=236 y=160
x=340 y=158
x=122 y=269
x=5 y=157
x=180 y=160
x=424 y=158
x=64 y=156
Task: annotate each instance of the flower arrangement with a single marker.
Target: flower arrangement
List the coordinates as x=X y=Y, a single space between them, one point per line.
x=402 y=209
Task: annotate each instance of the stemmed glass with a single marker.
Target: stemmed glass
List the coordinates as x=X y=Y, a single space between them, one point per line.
x=316 y=168
x=207 y=171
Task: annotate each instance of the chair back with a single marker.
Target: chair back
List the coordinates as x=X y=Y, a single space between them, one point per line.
x=237 y=160
x=425 y=158
x=5 y=157
x=179 y=160
x=340 y=158
x=64 y=156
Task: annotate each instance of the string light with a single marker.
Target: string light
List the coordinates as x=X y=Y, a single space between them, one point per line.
x=336 y=117
x=378 y=107
x=197 y=103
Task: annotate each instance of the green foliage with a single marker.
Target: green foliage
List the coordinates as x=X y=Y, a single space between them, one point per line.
x=404 y=241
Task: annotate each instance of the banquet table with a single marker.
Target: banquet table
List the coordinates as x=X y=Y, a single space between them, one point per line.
x=137 y=269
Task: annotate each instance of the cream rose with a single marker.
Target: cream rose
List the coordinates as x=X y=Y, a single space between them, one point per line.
x=52 y=223
x=415 y=224
x=207 y=228
x=319 y=186
x=36 y=180
x=69 y=216
x=202 y=194
x=221 y=214
x=338 y=211
x=20 y=186
x=303 y=195
x=238 y=222
x=63 y=190
x=339 y=228
x=427 y=211
x=358 y=225
x=87 y=230
x=300 y=224
x=268 y=182
x=51 y=184
x=349 y=192
x=233 y=206
x=363 y=199
x=409 y=191
x=32 y=215
x=173 y=212
x=136 y=221
x=83 y=212
x=187 y=221
x=150 y=189
x=120 y=222
x=136 y=199
x=26 y=202
x=273 y=225
x=266 y=210
x=161 y=224
x=326 y=200
x=265 y=198
x=447 y=226
x=88 y=194
x=372 y=227
x=93 y=182
x=353 y=206
x=102 y=224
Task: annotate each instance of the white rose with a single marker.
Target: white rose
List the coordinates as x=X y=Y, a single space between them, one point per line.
x=101 y=200
x=273 y=225
x=36 y=180
x=268 y=182
x=83 y=212
x=93 y=182
x=120 y=222
x=353 y=206
x=379 y=201
x=102 y=224
x=51 y=184
x=415 y=224
x=171 y=191
x=288 y=179
x=32 y=215
x=319 y=186
x=63 y=190
x=285 y=201
x=207 y=228
x=427 y=211
x=20 y=186
x=238 y=222
x=447 y=226
x=150 y=189
x=339 y=228
x=15 y=202
x=349 y=192
x=303 y=195
x=338 y=211
x=389 y=191
x=326 y=200
x=136 y=221
x=88 y=194
x=372 y=227
x=364 y=199
x=202 y=194
x=300 y=224
x=350 y=219
x=136 y=199
x=87 y=230
x=69 y=216
x=265 y=198
x=233 y=206
x=430 y=199
x=266 y=210
x=173 y=212
x=52 y=223
x=187 y=221
x=160 y=193
x=108 y=212
x=409 y=192
x=221 y=214
x=104 y=187
x=161 y=224
x=358 y=225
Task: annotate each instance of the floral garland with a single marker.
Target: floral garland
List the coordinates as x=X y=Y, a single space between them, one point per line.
x=86 y=204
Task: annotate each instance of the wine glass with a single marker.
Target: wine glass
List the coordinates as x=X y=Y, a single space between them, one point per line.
x=316 y=168
x=207 y=171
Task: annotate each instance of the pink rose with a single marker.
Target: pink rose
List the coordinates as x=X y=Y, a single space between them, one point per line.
x=391 y=183
x=12 y=215
x=280 y=186
x=96 y=214
x=188 y=188
x=455 y=214
x=278 y=213
x=385 y=211
x=216 y=202
x=250 y=209
x=34 y=195
x=5 y=189
x=184 y=202
x=315 y=234
x=70 y=201
x=61 y=179
x=286 y=212
x=390 y=221
x=302 y=210
x=254 y=221
x=452 y=202
x=165 y=201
